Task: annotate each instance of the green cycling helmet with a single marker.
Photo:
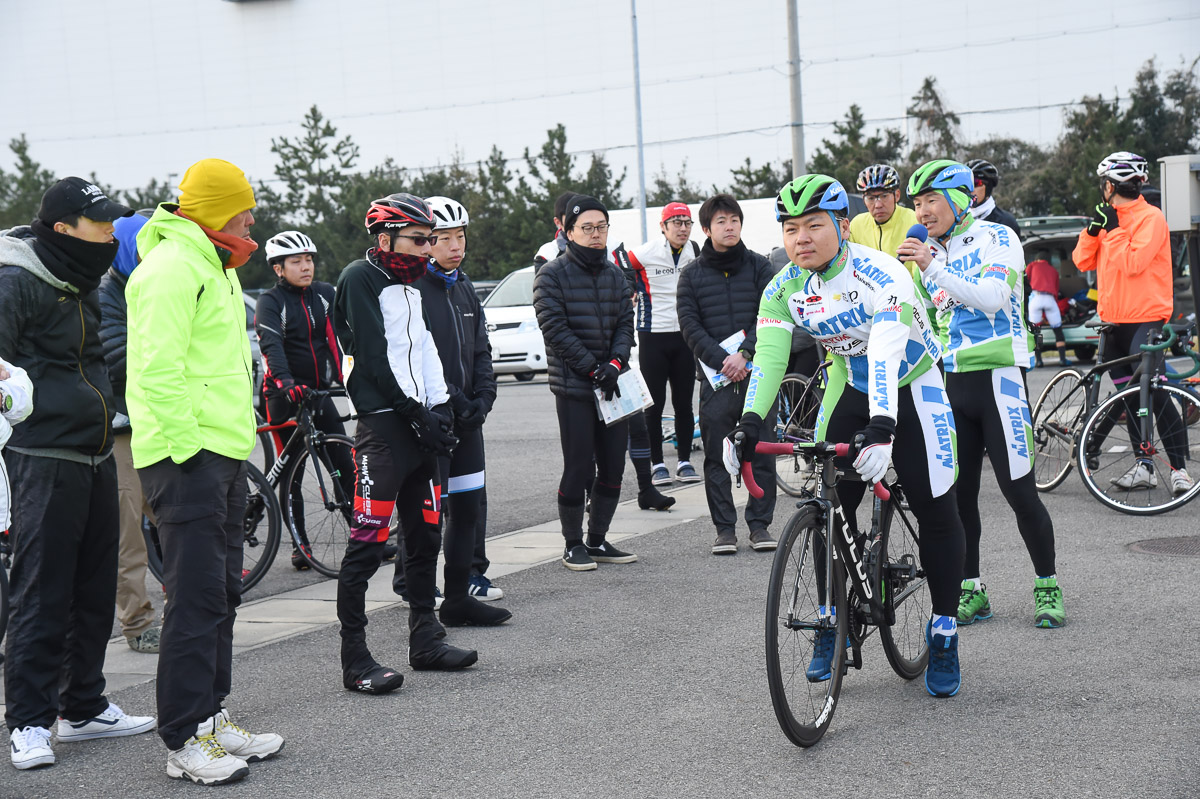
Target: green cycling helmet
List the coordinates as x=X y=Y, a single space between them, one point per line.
x=954 y=180
x=809 y=193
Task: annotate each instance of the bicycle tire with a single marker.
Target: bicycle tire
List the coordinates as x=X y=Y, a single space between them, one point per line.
x=798 y=401
x=259 y=554
x=792 y=618
x=1112 y=461
x=1056 y=418
x=327 y=503
x=904 y=587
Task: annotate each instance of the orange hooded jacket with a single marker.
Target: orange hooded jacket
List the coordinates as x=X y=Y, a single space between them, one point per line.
x=1132 y=263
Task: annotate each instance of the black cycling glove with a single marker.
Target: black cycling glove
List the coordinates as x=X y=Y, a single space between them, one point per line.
x=1105 y=218
x=746 y=435
x=605 y=377
x=474 y=416
x=432 y=431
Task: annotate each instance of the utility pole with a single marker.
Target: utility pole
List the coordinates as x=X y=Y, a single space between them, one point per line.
x=793 y=23
x=637 y=99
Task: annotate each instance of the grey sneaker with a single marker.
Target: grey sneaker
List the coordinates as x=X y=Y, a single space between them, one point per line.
x=726 y=543
x=686 y=473
x=660 y=476
x=761 y=541
x=147 y=642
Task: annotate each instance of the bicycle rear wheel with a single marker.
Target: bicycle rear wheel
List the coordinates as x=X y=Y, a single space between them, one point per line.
x=904 y=591
x=261 y=526
x=1056 y=418
x=799 y=589
x=320 y=501
x=1114 y=456
x=798 y=403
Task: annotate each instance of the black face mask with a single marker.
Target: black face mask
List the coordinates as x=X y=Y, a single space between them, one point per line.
x=590 y=258
x=71 y=260
x=406 y=268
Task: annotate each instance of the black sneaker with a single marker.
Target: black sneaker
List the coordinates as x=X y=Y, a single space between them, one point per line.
x=577 y=559
x=467 y=611
x=375 y=679
x=607 y=553
x=299 y=562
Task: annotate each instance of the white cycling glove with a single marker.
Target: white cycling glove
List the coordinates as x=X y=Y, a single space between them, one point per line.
x=872 y=462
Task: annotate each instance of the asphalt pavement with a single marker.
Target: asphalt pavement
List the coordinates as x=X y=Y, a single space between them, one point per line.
x=647 y=679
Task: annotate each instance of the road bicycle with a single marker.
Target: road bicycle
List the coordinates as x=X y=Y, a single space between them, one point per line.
x=1072 y=426
x=865 y=583
x=798 y=404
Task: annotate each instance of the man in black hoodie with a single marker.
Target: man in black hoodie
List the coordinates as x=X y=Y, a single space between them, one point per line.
x=717 y=302
x=64 y=481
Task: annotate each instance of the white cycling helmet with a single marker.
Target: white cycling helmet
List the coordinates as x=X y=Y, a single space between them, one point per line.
x=289 y=242
x=447 y=213
x=1121 y=167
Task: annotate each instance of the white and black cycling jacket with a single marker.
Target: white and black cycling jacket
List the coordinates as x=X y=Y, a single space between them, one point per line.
x=379 y=323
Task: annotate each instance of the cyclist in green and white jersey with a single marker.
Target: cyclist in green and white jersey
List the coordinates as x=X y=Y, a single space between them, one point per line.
x=972 y=271
x=860 y=303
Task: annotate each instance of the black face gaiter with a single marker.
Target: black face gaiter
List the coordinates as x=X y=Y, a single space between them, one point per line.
x=592 y=259
x=71 y=260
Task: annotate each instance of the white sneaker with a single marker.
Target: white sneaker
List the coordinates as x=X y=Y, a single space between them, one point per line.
x=1140 y=476
x=112 y=723
x=30 y=748
x=1181 y=483
x=204 y=761
x=246 y=745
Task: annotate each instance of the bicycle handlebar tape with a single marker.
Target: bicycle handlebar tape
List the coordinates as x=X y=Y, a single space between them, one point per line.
x=748 y=480
x=774 y=448
x=843 y=450
x=918 y=232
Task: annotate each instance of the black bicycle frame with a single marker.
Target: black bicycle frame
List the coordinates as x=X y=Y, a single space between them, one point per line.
x=304 y=435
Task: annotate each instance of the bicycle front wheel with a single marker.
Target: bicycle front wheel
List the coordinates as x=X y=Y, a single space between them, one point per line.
x=798 y=403
x=1057 y=416
x=806 y=598
x=903 y=590
x=319 y=489
x=260 y=524
x=1141 y=478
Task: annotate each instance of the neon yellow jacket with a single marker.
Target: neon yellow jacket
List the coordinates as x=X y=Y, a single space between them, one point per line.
x=886 y=237
x=190 y=383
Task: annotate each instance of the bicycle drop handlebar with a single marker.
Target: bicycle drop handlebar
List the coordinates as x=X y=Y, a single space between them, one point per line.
x=784 y=448
x=1166 y=343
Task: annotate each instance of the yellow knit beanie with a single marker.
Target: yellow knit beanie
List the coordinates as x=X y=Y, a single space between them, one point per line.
x=214 y=191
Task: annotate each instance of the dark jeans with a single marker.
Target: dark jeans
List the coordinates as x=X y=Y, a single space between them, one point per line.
x=63 y=588
x=720 y=412
x=200 y=526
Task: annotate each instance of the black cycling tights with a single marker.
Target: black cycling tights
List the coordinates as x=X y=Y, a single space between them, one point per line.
x=1126 y=339
x=665 y=358
x=584 y=438
x=981 y=426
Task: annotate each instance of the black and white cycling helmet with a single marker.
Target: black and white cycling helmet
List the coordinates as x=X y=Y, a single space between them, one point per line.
x=878 y=177
x=1122 y=167
x=289 y=242
x=447 y=213
x=985 y=172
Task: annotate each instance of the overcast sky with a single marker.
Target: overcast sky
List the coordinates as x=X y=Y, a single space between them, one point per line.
x=135 y=89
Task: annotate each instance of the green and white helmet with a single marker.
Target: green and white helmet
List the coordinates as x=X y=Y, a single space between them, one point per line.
x=954 y=180
x=809 y=193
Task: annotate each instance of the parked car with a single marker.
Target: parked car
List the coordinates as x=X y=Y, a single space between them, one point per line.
x=1053 y=239
x=516 y=340
x=250 y=298
x=484 y=287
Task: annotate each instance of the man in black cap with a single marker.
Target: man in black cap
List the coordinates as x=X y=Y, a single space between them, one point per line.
x=64 y=482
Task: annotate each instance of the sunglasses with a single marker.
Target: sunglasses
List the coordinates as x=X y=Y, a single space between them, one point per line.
x=420 y=241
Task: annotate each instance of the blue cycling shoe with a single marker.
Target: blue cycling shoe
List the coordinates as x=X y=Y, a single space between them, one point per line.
x=821 y=666
x=942 y=676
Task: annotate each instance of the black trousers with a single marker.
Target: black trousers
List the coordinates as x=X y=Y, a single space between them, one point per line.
x=479 y=560
x=63 y=588
x=980 y=426
x=585 y=439
x=720 y=412
x=392 y=475
x=1127 y=340
x=665 y=358
x=200 y=526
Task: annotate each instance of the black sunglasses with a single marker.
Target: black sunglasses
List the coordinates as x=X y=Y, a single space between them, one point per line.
x=420 y=241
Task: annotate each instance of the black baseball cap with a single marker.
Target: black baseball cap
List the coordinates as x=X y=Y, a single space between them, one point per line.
x=76 y=196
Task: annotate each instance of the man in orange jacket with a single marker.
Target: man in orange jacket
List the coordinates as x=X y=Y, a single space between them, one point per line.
x=1129 y=246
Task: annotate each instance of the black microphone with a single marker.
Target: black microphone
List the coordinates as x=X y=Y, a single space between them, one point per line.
x=918 y=231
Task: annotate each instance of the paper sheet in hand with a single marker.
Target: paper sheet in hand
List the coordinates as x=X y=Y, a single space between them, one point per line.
x=635 y=397
x=730 y=345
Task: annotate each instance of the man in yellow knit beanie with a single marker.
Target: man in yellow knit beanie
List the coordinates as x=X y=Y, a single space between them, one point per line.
x=189 y=397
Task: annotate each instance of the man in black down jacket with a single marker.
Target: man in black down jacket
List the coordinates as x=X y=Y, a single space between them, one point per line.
x=583 y=308
x=64 y=482
x=134 y=610
x=455 y=320
x=718 y=297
